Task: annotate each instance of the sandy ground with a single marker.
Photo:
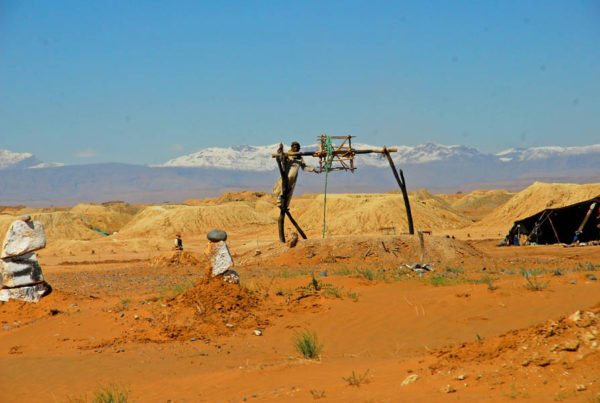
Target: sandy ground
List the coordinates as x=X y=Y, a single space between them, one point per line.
x=489 y=323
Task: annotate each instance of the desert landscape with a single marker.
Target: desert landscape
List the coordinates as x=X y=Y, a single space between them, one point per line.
x=129 y=314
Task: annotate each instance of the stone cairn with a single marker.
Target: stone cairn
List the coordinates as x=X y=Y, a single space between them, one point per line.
x=21 y=273
x=220 y=258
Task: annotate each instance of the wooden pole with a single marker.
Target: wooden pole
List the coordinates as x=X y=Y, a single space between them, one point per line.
x=402 y=184
x=587 y=217
x=295 y=224
x=318 y=154
x=553 y=229
x=422 y=246
x=283 y=207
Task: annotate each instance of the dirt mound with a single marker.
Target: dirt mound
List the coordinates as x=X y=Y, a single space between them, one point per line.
x=209 y=309
x=366 y=248
x=478 y=203
x=178 y=258
x=374 y=213
x=246 y=196
x=542 y=350
x=193 y=220
x=535 y=198
x=58 y=225
x=108 y=217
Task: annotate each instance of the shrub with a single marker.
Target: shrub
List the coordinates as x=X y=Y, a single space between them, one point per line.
x=357 y=380
x=307 y=344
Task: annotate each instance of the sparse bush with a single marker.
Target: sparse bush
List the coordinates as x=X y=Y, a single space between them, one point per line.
x=367 y=274
x=353 y=295
x=491 y=286
x=457 y=270
x=123 y=305
x=112 y=393
x=314 y=287
x=357 y=380
x=346 y=272
x=317 y=394
x=487 y=280
x=176 y=289
x=307 y=344
x=437 y=280
x=589 y=267
x=335 y=292
x=532 y=282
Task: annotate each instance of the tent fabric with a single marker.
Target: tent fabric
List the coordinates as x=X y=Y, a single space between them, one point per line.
x=558 y=225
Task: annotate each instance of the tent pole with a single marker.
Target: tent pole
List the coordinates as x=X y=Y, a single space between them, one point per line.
x=537 y=225
x=553 y=229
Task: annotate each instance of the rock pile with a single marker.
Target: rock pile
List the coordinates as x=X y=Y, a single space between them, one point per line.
x=221 y=261
x=21 y=274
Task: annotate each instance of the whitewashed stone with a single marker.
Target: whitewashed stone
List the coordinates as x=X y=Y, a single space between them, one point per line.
x=220 y=258
x=23 y=237
x=21 y=270
x=28 y=293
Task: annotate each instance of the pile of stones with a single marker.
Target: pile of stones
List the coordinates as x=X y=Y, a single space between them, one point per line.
x=21 y=274
x=220 y=259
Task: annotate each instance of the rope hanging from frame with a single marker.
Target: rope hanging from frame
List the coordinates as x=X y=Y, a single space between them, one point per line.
x=328 y=161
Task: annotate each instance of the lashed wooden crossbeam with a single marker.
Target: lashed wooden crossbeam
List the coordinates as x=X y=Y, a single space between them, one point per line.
x=343 y=154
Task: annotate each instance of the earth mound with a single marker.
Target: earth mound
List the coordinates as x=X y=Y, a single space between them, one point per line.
x=246 y=196
x=539 y=350
x=373 y=213
x=58 y=225
x=193 y=220
x=535 y=198
x=479 y=203
x=366 y=248
x=210 y=308
x=108 y=217
x=177 y=258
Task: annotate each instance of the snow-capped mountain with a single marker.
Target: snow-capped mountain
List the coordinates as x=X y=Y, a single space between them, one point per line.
x=242 y=157
x=10 y=159
x=540 y=153
x=213 y=171
x=259 y=158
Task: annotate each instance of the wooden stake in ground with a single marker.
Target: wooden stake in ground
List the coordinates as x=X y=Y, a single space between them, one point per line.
x=422 y=246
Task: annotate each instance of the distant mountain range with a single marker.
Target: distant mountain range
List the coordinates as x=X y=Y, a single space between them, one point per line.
x=258 y=158
x=212 y=171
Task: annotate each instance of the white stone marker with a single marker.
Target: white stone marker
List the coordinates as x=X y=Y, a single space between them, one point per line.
x=23 y=237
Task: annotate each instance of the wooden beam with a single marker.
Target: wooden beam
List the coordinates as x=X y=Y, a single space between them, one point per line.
x=401 y=183
x=283 y=207
x=553 y=229
x=342 y=152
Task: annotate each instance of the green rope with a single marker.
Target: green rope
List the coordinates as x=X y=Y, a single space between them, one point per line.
x=328 y=161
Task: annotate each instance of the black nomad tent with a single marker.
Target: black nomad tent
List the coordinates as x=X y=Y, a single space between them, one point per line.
x=579 y=222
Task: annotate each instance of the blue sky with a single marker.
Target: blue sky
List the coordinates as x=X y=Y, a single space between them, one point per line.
x=146 y=81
